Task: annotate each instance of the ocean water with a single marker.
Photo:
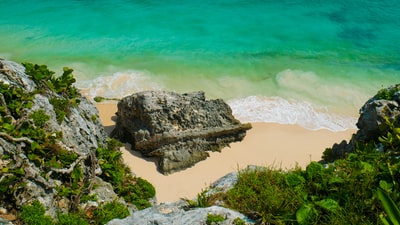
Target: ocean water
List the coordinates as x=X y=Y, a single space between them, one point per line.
x=306 y=62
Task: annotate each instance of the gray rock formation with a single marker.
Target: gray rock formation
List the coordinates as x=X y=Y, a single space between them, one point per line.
x=178 y=129
x=372 y=122
x=174 y=214
x=80 y=132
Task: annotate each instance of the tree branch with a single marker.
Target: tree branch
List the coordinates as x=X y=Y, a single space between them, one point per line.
x=14 y=139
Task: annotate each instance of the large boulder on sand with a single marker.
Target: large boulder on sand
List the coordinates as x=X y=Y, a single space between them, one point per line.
x=179 y=129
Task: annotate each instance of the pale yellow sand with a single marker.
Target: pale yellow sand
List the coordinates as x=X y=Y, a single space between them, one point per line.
x=266 y=144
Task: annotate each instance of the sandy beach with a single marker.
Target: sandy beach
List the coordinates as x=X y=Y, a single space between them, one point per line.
x=266 y=144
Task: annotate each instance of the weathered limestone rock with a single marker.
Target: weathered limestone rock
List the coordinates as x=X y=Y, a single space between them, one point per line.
x=167 y=214
x=80 y=132
x=372 y=122
x=179 y=129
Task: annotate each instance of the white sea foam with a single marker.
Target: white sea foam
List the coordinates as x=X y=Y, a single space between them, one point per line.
x=118 y=85
x=283 y=111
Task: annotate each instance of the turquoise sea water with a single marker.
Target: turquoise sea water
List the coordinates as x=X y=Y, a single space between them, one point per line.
x=306 y=62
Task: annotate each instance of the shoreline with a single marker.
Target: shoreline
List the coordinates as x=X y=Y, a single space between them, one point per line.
x=266 y=144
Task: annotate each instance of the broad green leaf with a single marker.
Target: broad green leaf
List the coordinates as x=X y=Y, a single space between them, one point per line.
x=305 y=214
x=328 y=204
x=34 y=146
x=313 y=169
x=293 y=179
x=366 y=167
x=385 y=185
x=390 y=207
x=384 y=220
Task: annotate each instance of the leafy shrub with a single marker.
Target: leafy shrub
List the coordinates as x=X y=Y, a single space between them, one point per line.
x=44 y=77
x=343 y=192
x=265 y=194
x=388 y=93
x=60 y=107
x=214 y=219
x=110 y=211
x=34 y=214
x=71 y=218
x=133 y=189
x=238 y=221
x=39 y=117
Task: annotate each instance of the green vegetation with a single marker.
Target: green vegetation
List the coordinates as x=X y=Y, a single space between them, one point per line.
x=344 y=192
x=133 y=189
x=109 y=211
x=361 y=188
x=100 y=99
x=214 y=219
x=388 y=93
x=202 y=201
x=392 y=210
x=34 y=214
x=238 y=221
x=71 y=218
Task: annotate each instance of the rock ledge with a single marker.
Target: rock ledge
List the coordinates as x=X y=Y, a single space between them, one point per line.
x=179 y=129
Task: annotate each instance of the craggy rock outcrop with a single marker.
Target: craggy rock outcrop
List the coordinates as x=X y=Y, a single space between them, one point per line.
x=372 y=123
x=173 y=213
x=80 y=132
x=178 y=129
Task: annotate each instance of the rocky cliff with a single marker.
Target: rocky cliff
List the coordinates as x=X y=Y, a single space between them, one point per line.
x=51 y=139
x=178 y=129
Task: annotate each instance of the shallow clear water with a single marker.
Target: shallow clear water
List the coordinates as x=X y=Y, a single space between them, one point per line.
x=307 y=62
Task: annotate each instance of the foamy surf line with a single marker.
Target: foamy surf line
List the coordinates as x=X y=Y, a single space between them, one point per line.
x=249 y=109
x=278 y=110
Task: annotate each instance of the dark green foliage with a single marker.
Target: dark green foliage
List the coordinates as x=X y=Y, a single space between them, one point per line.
x=43 y=77
x=98 y=99
x=214 y=219
x=61 y=107
x=388 y=93
x=391 y=209
x=133 y=189
x=34 y=214
x=62 y=85
x=266 y=194
x=343 y=192
x=38 y=72
x=137 y=191
x=71 y=219
x=238 y=221
x=110 y=211
x=15 y=99
x=39 y=117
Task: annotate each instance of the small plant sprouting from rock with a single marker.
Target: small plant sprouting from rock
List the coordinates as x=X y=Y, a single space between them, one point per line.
x=34 y=214
x=203 y=200
x=109 y=211
x=214 y=219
